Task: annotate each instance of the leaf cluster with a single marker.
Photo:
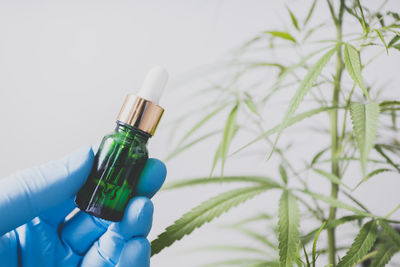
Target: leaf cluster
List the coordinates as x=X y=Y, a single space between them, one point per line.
x=359 y=132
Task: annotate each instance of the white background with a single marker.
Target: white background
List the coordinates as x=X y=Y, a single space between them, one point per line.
x=66 y=66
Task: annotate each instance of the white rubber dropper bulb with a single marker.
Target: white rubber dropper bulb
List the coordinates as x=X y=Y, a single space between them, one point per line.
x=153 y=85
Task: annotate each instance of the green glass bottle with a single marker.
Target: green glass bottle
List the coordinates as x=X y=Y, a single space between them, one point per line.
x=116 y=169
x=123 y=153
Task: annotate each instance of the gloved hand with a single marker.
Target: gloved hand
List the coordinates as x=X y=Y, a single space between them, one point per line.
x=35 y=202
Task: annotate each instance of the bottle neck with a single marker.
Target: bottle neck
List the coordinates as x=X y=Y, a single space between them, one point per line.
x=132 y=132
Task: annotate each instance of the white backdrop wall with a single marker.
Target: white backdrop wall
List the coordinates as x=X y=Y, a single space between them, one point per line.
x=66 y=66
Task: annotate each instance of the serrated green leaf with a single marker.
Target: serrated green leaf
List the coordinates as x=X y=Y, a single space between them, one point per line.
x=335 y=223
x=308 y=264
x=384 y=253
x=378 y=32
x=259 y=217
x=303 y=89
x=201 y=123
x=370 y=175
x=307 y=238
x=364 y=24
x=394 y=148
x=394 y=40
x=244 y=262
x=217 y=156
x=393 y=116
x=312 y=30
x=218 y=153
x=356 y=201
x=232 y=248
x=365 y=121
x=330 y=224
x=353 y=66
x=354 y=14
x=263 y=180
x=282 y=35
x=264 y=263
x=291 y=69
x=389 y=105
x=380 y=19
x=283 y=173
x=252 y=106
x=289 y=220
x=391 y=233
x=337 y=203
x=251 y=41
x=397 y=46
x=293 y=19
x=258 y=237
x=361 y=19
x=298 y=260
x=182 y=148
x=395 y=15
x=310 y=12
x=205 y=212
x=361 y=245
x=379 y=149
x=292 y=121
x=314 y=247
x=318 y=155
x=256 y=64
x=227 y=136
x=331 y=177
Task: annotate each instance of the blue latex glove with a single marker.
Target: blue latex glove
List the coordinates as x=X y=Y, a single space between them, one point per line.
x=35 y=202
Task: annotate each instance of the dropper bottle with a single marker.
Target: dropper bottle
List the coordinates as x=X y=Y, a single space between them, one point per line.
x=123 y=153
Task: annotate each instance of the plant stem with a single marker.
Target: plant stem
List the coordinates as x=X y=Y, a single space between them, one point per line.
x=392 y=211
x=335 y=145
x=368 y=256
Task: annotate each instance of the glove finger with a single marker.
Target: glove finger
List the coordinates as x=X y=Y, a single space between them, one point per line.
x=9 y=249
x=136 y=252
x=152 y=178
x=55 y=216
x=26 y=194
x=136 y=222
x=82 y=229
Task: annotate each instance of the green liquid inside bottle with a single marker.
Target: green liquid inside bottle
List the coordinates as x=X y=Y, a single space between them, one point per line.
x=117 y=166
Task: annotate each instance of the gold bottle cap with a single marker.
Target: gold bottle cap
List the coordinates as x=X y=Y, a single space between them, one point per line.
x=140 y=113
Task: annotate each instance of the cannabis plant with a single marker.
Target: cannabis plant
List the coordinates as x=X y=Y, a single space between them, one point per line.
x=360 y=130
